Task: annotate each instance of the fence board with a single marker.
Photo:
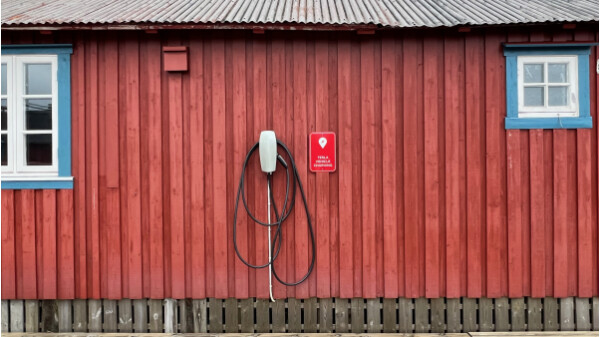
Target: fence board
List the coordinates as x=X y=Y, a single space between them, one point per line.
x=49 y=316
x=231 y=315
x=342 y=314
x=534 y=314
x=110 y=315
x=470 y=314
x=32 y=315
x=325 y=315
x=421 y=315
x=215 y=323
x=294 y=315
x=486 y=314
x=170 y=312
x=247 y=314
x=373 y=315
x=125 y=316
x=80 y=317
x=405 y=322
x=65 y=319
x=4 y=315
x=17 y=316
x=389 y=315
x=186 y=315
x=94 y=315
x=595 y=314
x=501 y=314
x=438 y=308
x=200 y=318
x=140 y=316
x=567 y=314
x=453 y=315
x=310 y=315
x=582 y=314
x=278 y=312
x=155 y=311
x=357 y=314
x=262 y=315
x=517 y=314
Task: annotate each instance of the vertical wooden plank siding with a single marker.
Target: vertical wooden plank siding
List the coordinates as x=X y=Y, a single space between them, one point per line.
x=432 y=197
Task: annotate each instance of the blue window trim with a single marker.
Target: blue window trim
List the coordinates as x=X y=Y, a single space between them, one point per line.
x=63 y=54
x=582 y=50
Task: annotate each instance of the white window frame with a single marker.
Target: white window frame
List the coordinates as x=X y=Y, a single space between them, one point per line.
x=546 y=111
x=16 y=147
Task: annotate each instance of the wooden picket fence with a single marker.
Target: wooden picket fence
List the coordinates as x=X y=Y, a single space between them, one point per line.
x=311 y=315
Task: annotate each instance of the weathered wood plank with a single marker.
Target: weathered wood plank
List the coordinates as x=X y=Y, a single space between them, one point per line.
x=389 y=315
x=517 y=314
x=186 y=315
x=595 y=314
x=215 y=322
x=550 y=314
x=405 y=322
x=325 y=315
x=262 y=315
x=170 y=312
x=140 y=316
x=110 y=315
x=582 y=314
x=438 y=308
x=199 y=312
x=567 y=314
x=5 y=316
x=342 y=314
x=49 y=316
x=155 y=312
x=294 y=315
x=453 y=315
x=470 y=314
x=17 y=316
x=486 y=312
x=32 y=316
x=94 y=319
x=80 y=316
x=65 y=319
x=357 y=315
x=310 y=315
x=373 y=315
x=231 y=315
x=534 y=314
x=125 y=316
x=421 y=315
x=278 y=312
x=501 y=314
x=247 y=315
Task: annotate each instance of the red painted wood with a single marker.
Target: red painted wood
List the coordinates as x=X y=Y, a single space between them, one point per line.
x=432 y=197
x=9 y=286
x=389 y=140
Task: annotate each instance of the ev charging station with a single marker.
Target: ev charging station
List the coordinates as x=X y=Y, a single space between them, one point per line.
x=267 y=146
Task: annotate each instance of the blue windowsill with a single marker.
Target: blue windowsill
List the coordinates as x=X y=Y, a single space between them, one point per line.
x=548 y=123
x=60 y=183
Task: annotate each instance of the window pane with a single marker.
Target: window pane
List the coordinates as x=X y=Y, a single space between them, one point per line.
x=4 y=116
x=534 y=73
x=39 y=114
x=38 y=79
x=534 y=96
x=557 y=73
x=557 y=96
x=3 y=78
x=39 y=149
x=4 y=150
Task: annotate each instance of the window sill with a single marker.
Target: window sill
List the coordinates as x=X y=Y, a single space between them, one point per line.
x=37 y=183
x=548 y=123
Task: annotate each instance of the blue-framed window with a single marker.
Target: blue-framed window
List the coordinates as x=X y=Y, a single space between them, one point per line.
x=36 y=117
x=547 y=86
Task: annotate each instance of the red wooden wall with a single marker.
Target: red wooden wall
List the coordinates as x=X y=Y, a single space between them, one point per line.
x=432 y=196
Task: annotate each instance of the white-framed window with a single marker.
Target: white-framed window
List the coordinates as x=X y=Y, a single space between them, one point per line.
x=29 y=116
x=547 y=86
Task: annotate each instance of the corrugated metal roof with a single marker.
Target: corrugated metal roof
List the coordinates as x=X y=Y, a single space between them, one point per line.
x=389 y=13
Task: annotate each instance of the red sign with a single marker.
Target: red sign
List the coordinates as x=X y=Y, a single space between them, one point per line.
x=322 y=152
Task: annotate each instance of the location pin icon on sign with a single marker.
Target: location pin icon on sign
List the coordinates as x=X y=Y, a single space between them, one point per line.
x=322 y=142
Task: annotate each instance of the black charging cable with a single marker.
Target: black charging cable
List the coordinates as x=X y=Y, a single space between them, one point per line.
x=280 y=218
